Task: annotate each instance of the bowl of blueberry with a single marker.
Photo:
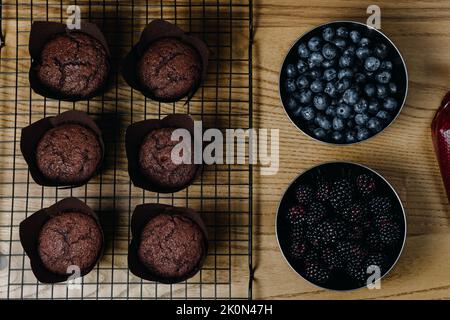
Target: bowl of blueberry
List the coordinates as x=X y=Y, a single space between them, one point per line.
x=341 y=226
x=343 y=82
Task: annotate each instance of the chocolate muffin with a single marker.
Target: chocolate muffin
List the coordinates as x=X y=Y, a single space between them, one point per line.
x=68 y=154
x=171 y=246
x=73 y=65
x=69 y=238
x=156 y=163
x=169 y=69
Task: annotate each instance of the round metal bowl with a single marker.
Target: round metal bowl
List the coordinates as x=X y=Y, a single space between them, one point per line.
x=333 y=171
x=400 y=76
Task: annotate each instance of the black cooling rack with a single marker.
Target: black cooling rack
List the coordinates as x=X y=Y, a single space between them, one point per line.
x=223 y=195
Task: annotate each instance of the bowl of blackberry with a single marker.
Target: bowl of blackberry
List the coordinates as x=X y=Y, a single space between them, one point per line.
x=340 y=225
x=343 y=82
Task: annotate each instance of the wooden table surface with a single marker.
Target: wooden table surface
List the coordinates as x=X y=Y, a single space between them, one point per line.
x=403 y=153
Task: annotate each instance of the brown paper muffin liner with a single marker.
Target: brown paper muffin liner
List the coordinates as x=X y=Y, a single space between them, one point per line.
x=33 y=133
x=30 y=228
x=41 y=33
x=155 y=30
x=134 y=137
x=141 y=216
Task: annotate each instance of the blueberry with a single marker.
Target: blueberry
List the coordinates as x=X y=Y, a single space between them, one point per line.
x=302 y=66
x=370 y=90
x=330 y=89
x=350 y=123
x=306 y=96
x=386 y=65
x=330 y=111
x=350 y=136
x=381 y=50
x=338 y=124
x=329 y=74
x=314 y=44
x=329 y=51
x=340 y=43
x=308 y=113
x=336 y=136
x=342 y=85
x=320 y=101
x=374 y=124
x=328 y=63
x=292 y=104
x=291 y=71
x=350 y=51
x=351 y=96
x=382 y=91
x=361 y=106
x=360 y=78
x=371 y=64
x=362 y=53
x=343 y=111
x=390 y=104
x=290 y=85
x=355 y=36
x=328 y=34
x=392 y=88
x=361 y=119
x=345 y=73
x=345 y=61
x=320 y=133
x=383 y=77
x=315 y=60
x=302 y=82
x=315 y=73
x=362 y=134
x=323 y=122
x=342 y=32
x=303 y=50
x=317 y=86
x=296 y=96
x=364 y=42
x=373 y=106
x=384 y=116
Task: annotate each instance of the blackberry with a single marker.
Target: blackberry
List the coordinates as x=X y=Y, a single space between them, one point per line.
x=355 y=233
x=316 y=272
x=311 y=257
x=315 y=214
x=358 y=273
x=313 y=238
x=332 y=259
x=341 y=229
x=304 y=194
x=379 y=206
x=380 y=220
x=297 y=214
x=355 y=213
x=298 y=250
x=376 y=259
x=323 y=191
x=341 y=193
x=389 y=233
x=327 y=233
x=351 y=252
x=365 y=185
x=297 y=233
x=373 y=242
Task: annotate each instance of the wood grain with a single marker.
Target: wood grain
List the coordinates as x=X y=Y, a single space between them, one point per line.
x=403 y=153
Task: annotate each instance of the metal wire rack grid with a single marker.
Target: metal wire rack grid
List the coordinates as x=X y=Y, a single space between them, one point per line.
x=223 y=194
